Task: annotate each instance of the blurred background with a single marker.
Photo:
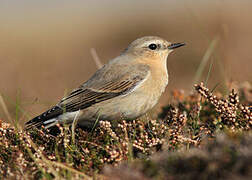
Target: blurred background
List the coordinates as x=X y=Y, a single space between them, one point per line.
x=45 y=45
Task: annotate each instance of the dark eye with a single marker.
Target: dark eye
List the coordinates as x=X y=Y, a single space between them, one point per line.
x=152 y=46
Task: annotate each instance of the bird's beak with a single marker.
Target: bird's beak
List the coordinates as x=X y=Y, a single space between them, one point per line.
x=175 y=45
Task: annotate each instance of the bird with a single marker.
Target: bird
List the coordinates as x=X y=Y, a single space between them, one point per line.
x=126 y=87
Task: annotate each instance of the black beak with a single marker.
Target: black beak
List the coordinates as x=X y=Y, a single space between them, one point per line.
x=175 y=45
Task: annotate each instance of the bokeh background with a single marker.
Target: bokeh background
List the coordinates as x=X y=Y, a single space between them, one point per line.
x=45 y=45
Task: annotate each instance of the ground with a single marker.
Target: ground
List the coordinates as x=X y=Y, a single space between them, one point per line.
x=203 y=135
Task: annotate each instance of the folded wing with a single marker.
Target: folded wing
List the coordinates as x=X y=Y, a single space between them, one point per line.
x=91 y=92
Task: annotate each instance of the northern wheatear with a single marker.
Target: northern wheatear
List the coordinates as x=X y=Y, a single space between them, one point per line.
x=126 y=87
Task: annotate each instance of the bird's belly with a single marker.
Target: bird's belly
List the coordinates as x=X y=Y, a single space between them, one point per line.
x=137 y=104
x=130 y=106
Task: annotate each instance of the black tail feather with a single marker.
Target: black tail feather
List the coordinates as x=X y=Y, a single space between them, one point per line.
x=39 y=120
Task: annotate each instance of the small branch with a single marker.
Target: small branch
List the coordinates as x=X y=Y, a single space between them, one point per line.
x=74 y=125
x=210 y=50
x=96 y=59
x=5 y=109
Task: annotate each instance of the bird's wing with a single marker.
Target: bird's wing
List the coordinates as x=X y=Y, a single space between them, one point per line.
x=106 y=83
x=92 y=93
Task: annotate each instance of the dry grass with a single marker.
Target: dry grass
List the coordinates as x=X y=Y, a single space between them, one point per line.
x=185 y=138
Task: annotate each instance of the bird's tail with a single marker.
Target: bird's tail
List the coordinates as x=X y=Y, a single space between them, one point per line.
x=46 y=119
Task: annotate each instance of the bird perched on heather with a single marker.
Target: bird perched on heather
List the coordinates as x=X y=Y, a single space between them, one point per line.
x=126 y=87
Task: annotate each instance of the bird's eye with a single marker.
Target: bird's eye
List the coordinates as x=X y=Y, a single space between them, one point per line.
x=152 y=46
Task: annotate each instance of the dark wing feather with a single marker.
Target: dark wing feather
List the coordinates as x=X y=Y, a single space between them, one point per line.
x=49 y=114
x=83 y=98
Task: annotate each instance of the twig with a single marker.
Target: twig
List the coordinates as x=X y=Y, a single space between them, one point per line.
x=61 y=165
x=5 y=109
x=96 y=59
x=74 y=125
x=205 y=59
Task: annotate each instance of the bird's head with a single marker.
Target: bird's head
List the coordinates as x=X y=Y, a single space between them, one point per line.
x=152 y=47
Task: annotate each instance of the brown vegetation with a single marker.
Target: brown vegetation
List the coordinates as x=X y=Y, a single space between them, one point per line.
x=200 y=135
